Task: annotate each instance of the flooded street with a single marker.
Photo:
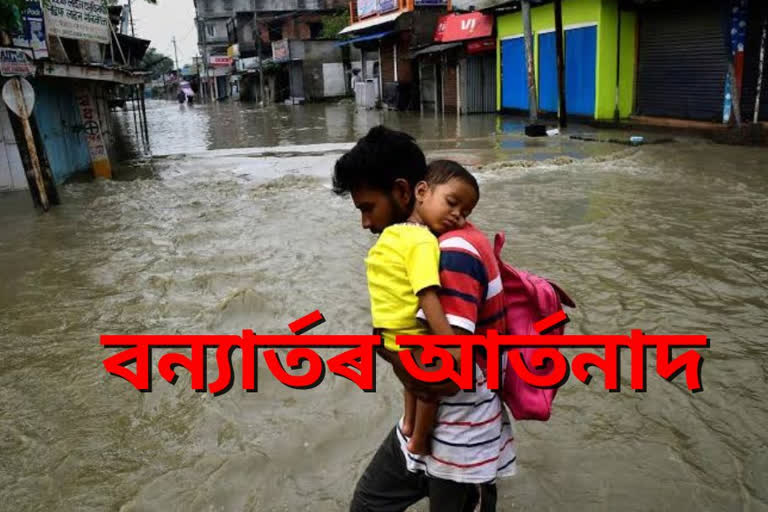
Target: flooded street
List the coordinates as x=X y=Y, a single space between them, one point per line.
x=231 y=225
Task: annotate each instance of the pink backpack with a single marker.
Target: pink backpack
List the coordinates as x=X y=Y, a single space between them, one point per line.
x=528 y=298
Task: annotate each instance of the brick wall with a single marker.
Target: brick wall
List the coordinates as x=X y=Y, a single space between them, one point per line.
x=289 y=29
x=264 y=32
x=298 y=28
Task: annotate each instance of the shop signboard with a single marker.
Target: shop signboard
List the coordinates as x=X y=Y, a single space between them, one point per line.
x=222 y=61
x=14 y=62
x=460 y=27
x=77 y=19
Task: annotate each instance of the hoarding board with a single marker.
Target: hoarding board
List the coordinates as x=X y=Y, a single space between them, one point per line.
x=281 y=51
x=387 y=5
x=14 y=62
x=77 y=19
x=32 y=37
x=367 y=8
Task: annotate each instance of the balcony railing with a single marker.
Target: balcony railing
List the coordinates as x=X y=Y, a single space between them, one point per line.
x=216 y=39
x=215 y=14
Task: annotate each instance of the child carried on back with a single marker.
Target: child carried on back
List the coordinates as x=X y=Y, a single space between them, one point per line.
x=403 y=275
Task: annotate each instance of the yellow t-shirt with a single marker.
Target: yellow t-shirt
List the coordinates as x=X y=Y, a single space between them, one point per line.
x=404 y=261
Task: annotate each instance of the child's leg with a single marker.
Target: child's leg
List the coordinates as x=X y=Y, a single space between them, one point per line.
x=422 y=429
x=409 y=417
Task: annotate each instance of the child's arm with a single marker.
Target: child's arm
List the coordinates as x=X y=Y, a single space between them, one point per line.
x=429 y=302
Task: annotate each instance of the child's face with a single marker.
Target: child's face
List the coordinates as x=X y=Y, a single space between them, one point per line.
x=445 y=207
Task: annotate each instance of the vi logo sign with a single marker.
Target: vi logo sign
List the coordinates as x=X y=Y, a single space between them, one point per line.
x=468 y=25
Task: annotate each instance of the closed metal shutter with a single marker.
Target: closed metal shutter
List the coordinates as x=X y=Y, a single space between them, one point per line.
x=296 y=69
x=480 y=84
x=428 y=84
x=682 y=61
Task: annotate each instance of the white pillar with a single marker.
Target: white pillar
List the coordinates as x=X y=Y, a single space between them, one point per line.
x=395 y=52
x=380 y=95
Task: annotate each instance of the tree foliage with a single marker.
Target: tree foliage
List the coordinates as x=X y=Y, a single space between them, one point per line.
x=156 y=63
x=333 y=24
x=10 y=15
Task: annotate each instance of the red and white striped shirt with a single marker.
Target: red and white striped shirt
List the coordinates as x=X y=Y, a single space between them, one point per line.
x=473 y=440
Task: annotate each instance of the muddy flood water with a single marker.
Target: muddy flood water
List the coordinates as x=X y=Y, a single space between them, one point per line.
x=231 y=225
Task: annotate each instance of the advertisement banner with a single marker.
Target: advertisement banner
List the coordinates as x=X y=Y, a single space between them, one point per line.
x=280 y=51
x=247 y=63
x=14 y=62
x=367 y=8
x=32 y=38
x=387 y=5
x=78 y=19
x=92 y=131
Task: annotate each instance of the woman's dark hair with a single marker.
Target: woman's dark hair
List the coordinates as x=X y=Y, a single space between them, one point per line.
x=377 y=160
x=443 y=171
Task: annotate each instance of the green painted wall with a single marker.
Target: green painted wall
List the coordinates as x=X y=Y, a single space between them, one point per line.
x=605 y=14
x=607 y=47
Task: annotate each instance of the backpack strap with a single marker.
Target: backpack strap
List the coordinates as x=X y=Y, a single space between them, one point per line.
x=498 y=244
x=564 y=298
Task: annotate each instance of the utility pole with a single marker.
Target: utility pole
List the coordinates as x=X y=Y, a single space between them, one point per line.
x=29 y=137
x=130 y=13
x=563 y=114
x=261 y=66
x=528 y=35
x=205 y=83
x=175 y=53
x=761 y=65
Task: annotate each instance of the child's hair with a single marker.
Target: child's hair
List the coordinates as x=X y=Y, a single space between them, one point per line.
x=377 y=160
x=443 y=171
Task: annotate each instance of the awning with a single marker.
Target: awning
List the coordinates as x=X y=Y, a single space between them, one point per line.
x=435 y=48
x=91 y=72
x=460 y=27
x=369 y=37
x=371 y=22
